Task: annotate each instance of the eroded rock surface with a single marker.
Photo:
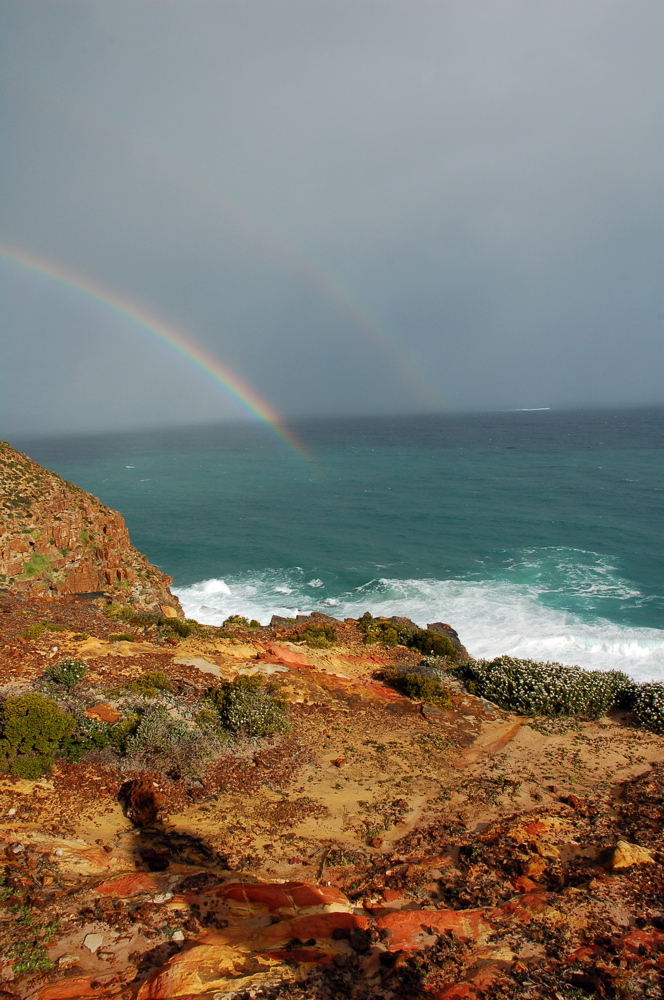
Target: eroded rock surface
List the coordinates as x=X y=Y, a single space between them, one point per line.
x=57 y=539
x=372 y=852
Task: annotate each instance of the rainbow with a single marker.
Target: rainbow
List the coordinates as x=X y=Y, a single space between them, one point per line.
x=182 y=344
x=424 y=386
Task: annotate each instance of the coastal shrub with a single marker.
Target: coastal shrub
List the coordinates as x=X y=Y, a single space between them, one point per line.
x=384 y=633
x=424 y=640
x=532 y=688
x=34 y=631
x=648 y=706
x=150 y=684
x=236 y=620
x=421 y=683
x=431 y=643
x=319 y=636
x=29 y=767
x=162 y=743
x=68 y=672
x=91 y=735
x=180 y=626
x=248 y=707
x=35 y=728
x=119 y=612
x=123 y=637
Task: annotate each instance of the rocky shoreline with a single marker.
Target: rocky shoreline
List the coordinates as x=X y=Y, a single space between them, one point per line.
x=380 y=847
x=310 y=809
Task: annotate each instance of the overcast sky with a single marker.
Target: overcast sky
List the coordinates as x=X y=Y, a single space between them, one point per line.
x=359 y=207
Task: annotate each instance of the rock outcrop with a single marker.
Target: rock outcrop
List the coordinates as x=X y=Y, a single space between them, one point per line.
x=56 y=539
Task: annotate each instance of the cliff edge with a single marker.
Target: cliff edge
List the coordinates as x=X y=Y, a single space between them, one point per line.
x=56 y=539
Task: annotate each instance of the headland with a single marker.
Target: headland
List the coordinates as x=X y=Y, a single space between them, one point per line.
x=309 y=809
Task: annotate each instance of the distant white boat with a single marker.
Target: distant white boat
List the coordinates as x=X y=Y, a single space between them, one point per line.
x=527 y=409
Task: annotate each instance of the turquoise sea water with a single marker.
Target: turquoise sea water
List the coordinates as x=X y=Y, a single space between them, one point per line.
x=535 y=533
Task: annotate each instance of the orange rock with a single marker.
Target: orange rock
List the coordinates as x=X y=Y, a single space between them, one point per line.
x=626 y=855
x=407 y=930
x=104 y=713
x=524 y=884
x=284 y=655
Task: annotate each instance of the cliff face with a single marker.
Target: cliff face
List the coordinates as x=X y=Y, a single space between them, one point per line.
x=56 y=539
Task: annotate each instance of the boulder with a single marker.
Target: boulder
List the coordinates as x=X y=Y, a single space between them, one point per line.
x=626 y=855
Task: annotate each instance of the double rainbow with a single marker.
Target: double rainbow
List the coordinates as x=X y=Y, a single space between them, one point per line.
x=181 y=343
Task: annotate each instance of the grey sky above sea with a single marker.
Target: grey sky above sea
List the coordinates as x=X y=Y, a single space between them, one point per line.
x=359 y=207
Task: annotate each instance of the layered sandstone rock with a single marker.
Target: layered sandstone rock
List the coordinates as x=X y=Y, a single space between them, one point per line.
x=56 y=539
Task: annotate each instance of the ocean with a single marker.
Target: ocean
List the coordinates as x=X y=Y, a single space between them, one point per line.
x=534 y=533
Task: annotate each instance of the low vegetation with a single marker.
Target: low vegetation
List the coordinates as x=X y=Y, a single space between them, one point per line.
x=166 y=744
x=321 y=636
x=551 y=689
x=421 y=683
x=68 y=672
x=249 y=707
x=388 y=633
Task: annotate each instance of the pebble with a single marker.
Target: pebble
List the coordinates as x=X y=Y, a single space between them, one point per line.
x=93 y=942
x=178 y=936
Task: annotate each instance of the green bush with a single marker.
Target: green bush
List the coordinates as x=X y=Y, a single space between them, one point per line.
x=376 y=631
x=91 y=735
x=30 y=767
x=149 y=685
x=532 y=688
x=236 y=620
x=161 y=743
x=119 y=612
x=33 y=727
x=34 y=631
x=431 y=643
x=68 y=672
x=648 y=706
x=181 y=627
x=319 y=636
x=248 y=707
x=421 y=683
x=424 y=640
x=123 y=637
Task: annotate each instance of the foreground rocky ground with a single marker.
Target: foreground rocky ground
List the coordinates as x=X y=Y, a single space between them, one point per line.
x=380 y=848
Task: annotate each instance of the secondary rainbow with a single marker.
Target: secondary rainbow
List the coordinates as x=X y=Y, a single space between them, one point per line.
x=182 y=344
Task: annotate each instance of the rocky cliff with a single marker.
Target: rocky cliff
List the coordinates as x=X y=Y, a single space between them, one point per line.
x=56 y=539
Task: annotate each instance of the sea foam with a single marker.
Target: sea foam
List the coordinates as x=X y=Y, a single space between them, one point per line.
x=492 y=617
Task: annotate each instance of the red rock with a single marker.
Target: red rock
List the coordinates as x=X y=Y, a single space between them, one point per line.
x=524 y=884
x=390 y=895
x=131 y=885
x=407 y=930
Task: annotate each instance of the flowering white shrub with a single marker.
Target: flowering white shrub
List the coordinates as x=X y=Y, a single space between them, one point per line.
x=532 y=688
x=248 y=707
x=649 y=706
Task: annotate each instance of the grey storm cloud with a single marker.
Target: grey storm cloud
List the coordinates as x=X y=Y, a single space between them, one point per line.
x=359 y=207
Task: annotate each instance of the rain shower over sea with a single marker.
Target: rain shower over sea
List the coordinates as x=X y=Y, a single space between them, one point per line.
x=536 y=533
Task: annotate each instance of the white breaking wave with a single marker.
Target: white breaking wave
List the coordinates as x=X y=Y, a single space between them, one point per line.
x=492 y=617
